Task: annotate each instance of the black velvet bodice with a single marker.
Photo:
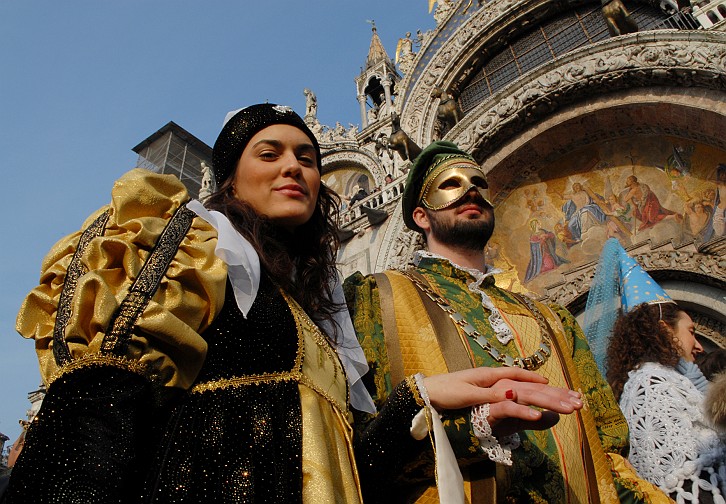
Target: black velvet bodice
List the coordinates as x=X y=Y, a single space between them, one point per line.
x=227 y=442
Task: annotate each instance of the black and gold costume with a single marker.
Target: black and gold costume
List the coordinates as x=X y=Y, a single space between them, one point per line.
x=161 y=390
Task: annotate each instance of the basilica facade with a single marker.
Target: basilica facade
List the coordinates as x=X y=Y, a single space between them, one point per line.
x=592 y=120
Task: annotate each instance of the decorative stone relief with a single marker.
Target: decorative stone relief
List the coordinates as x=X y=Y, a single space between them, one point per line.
x=708 y=265
x=358 y=157
x=576 y=283
x=710 y=328
x=575 y=286
x=614 y=68
x=443 y=10
x=682 y=62
x=399 y=244
x=445 y=59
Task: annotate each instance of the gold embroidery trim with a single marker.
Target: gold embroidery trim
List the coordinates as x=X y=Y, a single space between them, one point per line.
x=411 y=382
x=142 y=290
x=91 y=360
x=303 y=320
x=302 y=323
x=75 y=270
x=304 y=380
x=243 y=381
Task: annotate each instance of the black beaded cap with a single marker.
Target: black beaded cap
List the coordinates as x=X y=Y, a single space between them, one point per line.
x=238 y=131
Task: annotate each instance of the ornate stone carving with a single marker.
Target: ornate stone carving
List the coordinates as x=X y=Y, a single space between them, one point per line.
x=673 y=262
x=573 y=290
x=710 y=328
x=354 y=157
x=609 y=70
x=404 y=54
x=680 y=59
x=399 y=244
x=208 y=184
x=711 y=266
x=445 y=59
x=311 y=106
x=443 y=10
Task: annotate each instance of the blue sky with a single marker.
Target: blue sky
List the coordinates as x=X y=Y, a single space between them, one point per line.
x=84 y=81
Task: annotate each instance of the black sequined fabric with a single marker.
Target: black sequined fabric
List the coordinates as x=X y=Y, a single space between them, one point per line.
x=238 y=443
x=88 y=440
x=385 y=445
x=103 y=437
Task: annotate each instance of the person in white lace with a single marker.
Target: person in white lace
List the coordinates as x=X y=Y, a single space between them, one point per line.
x=651 y=368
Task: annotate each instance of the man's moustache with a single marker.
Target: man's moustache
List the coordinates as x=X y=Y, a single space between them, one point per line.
x=475 y=199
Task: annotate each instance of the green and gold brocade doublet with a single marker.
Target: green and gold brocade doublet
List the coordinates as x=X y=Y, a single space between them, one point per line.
x=548 y=466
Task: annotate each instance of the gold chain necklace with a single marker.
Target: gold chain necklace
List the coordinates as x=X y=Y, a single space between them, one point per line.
x=531 y=363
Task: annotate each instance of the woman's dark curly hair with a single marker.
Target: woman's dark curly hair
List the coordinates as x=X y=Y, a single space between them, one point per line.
x=301 y=262
x=638 y=337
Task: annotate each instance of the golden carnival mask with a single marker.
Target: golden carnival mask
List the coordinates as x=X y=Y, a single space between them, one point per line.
x=450 y=182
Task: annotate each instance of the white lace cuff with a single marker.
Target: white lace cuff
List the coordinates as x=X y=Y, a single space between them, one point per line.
x=497 y=452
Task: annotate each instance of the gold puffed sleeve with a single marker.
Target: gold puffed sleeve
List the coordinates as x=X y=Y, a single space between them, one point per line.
x=165 y=342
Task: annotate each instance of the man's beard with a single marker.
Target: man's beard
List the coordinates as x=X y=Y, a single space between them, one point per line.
x=465 y=234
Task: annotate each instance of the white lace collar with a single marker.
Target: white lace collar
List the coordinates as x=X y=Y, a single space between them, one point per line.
x=500 y=327
x=243 y=270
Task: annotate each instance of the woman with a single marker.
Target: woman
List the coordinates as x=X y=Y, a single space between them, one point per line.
x=181 y=360
x=650 y=362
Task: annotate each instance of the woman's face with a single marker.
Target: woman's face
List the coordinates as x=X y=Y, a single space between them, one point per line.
x=278 y=176
x=685 y=333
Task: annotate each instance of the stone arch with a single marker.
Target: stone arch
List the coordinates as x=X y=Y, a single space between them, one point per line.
x=672 y=60
x=342 y=169
x=462 y=52
x=695 y=114
x=694 y=278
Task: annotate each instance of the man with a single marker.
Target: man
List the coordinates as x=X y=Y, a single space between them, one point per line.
x=647 y=207
x=404 y=323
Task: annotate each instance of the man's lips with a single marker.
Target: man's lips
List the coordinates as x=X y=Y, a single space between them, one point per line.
x=470 y=207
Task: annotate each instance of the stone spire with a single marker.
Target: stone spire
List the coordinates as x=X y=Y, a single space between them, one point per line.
x=377 y=52
x=376 y=83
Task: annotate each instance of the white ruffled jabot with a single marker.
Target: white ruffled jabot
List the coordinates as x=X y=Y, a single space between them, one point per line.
x=243 y=270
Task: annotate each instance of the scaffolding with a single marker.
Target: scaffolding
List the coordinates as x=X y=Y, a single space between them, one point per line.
x=174 y=150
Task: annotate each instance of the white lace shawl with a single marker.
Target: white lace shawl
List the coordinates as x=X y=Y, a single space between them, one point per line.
x=670 y=441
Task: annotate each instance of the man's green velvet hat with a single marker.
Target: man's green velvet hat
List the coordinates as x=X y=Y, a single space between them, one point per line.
x=424 y=164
